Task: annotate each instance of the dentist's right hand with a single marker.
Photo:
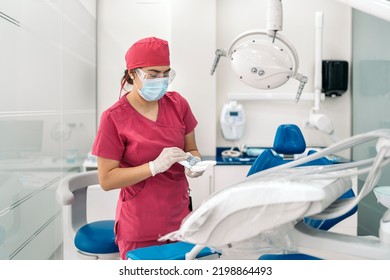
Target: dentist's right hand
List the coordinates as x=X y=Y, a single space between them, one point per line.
x=166 y=159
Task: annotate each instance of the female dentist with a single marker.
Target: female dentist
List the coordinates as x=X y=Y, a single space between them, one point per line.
x=140 y=140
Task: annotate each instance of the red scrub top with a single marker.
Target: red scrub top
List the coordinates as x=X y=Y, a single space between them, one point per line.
x=157 y=205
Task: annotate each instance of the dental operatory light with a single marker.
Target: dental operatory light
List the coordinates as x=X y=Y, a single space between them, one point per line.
x=267 y=62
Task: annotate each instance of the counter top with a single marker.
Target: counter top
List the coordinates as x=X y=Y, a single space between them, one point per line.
x=244 y=159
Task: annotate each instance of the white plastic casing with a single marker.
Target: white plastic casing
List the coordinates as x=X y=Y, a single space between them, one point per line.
x=261 y=64
x=232 y=121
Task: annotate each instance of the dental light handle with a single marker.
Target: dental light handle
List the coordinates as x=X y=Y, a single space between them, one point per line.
x=218 y=54
x=302 y=82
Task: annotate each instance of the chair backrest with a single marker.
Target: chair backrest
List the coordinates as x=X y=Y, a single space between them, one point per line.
x=289 y=141
x=72 y=190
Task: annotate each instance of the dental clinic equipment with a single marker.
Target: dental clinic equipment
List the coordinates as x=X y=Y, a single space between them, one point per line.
x=316 y=119
x=267 y=62
x=264 y=212
x=232 y=120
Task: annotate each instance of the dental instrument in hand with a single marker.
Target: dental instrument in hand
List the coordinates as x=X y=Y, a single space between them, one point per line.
x=192 y=160
x=195 y=164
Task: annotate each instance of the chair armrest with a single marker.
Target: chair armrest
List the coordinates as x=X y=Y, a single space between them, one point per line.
x=63 y=195
x=73 y=182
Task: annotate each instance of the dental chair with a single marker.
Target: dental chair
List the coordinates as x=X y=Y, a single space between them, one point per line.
x=289 y=143
x=264 y=213
x=93 y=240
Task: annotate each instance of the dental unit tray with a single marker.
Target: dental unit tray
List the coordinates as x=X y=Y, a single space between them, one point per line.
x=265 y=211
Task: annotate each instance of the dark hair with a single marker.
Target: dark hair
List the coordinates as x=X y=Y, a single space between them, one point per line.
x=126 y=77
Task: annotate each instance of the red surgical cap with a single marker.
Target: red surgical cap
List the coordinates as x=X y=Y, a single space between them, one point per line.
x=148 y=52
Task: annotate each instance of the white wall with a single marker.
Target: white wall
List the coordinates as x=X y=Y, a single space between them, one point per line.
x=193 y=34
x=192 y=44
x=119 y=24
x=195 y=29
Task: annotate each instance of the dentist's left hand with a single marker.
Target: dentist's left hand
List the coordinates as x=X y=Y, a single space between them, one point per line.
x=193 y=174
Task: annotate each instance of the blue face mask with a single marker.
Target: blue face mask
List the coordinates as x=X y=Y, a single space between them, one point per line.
x=154 y=89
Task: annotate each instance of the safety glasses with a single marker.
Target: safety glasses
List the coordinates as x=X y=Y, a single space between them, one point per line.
x=152 y=74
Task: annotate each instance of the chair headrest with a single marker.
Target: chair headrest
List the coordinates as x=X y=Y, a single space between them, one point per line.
x=289 y=140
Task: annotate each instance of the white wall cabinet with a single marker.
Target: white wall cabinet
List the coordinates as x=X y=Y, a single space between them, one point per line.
x=201 y=187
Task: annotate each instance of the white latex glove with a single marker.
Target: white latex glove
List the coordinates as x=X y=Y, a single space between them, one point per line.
x=166 y=159
x=192 y=174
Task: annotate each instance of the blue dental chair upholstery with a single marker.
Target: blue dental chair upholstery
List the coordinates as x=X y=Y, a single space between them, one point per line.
x=171 y=251
x=288 y=142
